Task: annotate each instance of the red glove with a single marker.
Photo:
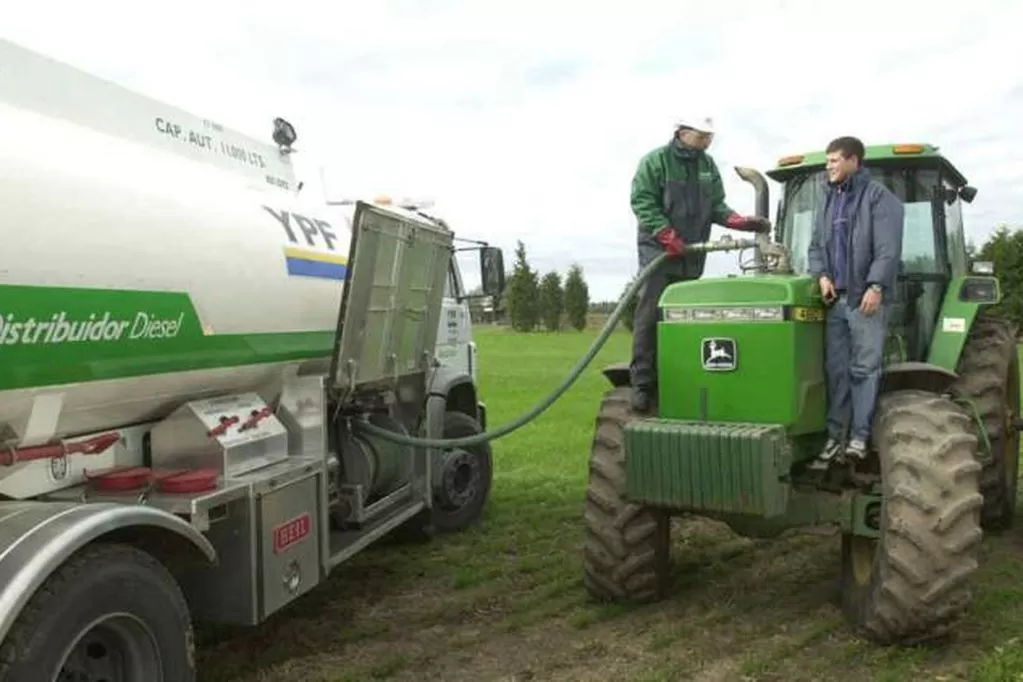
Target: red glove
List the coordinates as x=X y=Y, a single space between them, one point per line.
x=671 y=241
x=747 y=223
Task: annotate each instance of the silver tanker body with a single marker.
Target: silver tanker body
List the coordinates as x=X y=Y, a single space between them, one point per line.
x=133 y=278
x=186 y=349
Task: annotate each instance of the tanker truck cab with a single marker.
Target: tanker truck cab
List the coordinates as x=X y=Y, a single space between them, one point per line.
x=742 y=400
x=191 y=358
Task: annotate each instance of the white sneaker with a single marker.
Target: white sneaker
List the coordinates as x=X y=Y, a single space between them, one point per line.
x=831 y=452
x=856 y=448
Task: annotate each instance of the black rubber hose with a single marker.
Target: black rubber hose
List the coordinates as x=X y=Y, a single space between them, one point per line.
x=538 y=409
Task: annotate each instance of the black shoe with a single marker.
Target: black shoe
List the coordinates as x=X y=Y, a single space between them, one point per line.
x=641 y=399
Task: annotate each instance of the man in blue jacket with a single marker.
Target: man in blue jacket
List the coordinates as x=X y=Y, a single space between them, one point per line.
x=855 y=252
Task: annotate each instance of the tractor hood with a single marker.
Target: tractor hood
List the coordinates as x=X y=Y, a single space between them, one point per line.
x=743 y=349
x=763 y=297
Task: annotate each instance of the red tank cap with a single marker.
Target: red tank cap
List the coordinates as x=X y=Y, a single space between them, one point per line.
x=122 y=478
x=189 y=481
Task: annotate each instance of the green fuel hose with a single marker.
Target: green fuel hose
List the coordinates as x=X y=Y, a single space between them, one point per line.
x=538 y=409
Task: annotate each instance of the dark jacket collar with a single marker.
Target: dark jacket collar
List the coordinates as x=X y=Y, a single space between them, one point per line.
x=684 y=151
x=853 y=183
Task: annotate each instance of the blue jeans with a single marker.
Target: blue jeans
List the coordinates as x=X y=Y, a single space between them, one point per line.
x=853 y=351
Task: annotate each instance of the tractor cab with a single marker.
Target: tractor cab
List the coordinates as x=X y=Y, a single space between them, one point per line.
x=934 y=244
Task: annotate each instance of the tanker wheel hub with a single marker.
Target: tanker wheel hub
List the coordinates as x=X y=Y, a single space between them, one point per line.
x=117 y=648
x=459 y=478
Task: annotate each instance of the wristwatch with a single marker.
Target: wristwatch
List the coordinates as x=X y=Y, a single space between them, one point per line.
x=876 y=288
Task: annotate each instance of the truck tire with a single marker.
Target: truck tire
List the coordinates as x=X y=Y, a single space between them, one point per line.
x=148 y=626
x=627 y=546
x=912 y=583
x=462 y=489
x=989 y=376
x=462 y=479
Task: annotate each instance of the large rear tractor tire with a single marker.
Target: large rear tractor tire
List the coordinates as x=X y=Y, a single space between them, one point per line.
x=912 y=584
x=626 y=551
x=111 y=612
x=989 y=376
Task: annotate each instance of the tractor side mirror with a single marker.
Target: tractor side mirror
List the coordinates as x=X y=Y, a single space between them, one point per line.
x=982 y=267
x=492 y=270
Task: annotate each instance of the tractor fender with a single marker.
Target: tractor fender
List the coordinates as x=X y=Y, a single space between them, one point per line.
x=924 y=376
x=457 y=389
x=36 y=538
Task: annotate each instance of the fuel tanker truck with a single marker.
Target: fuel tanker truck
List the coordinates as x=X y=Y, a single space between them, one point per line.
x=187 y=345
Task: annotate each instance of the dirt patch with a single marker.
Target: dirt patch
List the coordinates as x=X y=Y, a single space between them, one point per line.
x=505 y=602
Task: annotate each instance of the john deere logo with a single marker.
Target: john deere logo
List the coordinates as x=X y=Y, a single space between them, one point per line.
x=718 y=354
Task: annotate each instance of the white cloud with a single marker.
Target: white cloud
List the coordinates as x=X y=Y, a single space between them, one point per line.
x=525 y=120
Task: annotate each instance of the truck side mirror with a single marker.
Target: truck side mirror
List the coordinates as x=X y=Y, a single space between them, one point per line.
x=492 y=270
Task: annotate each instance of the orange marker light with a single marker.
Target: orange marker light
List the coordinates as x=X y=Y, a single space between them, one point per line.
x=907 y=149
x=790 y=160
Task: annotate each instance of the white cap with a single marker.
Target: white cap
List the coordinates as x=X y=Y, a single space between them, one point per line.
x=701 y=123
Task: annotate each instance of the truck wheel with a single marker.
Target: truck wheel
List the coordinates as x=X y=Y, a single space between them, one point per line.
x=911 y=584
x=111 y=613
x=989 y=376
x=626 y=551
x=461 y=479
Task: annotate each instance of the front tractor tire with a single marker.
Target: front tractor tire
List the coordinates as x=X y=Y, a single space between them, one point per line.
x=989 y=377
x=912 y=583
x=111 y=612
x=626 y=550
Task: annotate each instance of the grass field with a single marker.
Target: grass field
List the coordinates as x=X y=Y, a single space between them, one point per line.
x=504 y=601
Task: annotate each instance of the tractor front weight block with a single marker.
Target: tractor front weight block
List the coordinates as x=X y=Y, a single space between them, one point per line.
x=738 y=473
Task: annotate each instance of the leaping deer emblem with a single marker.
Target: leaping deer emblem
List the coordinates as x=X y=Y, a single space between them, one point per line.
x=717 y=353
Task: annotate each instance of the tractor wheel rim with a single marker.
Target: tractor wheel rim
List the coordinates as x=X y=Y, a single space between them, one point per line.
x=116 y=647
x=863 y=551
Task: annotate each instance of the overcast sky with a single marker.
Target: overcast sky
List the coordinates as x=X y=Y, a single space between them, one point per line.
x=525 y=119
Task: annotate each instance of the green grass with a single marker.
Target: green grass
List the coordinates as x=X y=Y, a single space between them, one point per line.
x=504 y=600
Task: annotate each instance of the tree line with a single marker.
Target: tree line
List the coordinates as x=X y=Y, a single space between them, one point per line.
x=533 y=302
x=1005 y=250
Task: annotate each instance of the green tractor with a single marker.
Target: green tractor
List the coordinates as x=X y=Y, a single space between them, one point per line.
x=741 y=413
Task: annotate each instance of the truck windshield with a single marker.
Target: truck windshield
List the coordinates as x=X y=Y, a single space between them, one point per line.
x=921 y=253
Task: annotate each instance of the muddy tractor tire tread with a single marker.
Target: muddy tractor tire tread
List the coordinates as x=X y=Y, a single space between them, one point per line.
x=919 y=580
x=986 y=370
x=626 y=549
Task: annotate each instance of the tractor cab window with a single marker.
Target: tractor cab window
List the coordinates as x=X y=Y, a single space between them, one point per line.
x=930 y=225
x=921 y=251
x=954 y=230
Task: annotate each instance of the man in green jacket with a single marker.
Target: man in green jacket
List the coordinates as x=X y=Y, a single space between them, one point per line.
x=677 y=194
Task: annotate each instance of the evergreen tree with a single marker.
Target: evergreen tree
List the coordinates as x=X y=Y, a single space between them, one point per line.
x=1005 y=250
x=577 y=298
x=629 y=316
x=522 y=297
x=551 y=301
